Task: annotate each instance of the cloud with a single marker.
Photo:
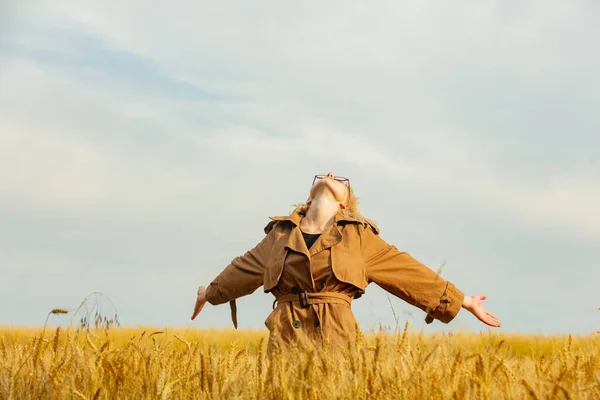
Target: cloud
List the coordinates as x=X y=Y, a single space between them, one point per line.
x=149 y=141
x=81 y=54
x=77 y=165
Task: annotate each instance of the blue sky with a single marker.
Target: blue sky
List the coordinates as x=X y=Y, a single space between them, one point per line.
x=142 y=148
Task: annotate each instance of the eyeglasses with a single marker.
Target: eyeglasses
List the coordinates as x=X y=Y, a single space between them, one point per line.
x=341 y=179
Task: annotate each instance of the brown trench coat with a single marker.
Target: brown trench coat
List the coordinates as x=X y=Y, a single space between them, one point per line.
x=337 y=268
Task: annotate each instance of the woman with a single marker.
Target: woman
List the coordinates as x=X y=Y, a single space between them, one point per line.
x=321 y=257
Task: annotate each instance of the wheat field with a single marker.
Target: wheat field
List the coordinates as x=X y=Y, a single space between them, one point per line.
x=152 y=363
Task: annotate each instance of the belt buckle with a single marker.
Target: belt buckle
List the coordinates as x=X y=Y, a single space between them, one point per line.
x=303 y=297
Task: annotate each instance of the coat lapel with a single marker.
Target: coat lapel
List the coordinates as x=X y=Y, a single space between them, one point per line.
x=330 y=237
x=327 y=240
x=296 y=242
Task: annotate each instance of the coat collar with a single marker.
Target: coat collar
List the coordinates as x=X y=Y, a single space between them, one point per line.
x=296 y=216
x=328 y=239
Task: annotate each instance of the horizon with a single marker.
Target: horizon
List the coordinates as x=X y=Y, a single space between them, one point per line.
x=140 y=152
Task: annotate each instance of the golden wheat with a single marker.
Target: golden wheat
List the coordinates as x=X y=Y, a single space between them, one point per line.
x=132 y=363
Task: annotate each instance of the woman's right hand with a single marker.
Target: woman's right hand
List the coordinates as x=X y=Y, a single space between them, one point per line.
x=200 y=301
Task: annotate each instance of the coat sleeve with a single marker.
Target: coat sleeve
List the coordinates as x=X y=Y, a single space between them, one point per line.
x=242 y=277
x=403 y=276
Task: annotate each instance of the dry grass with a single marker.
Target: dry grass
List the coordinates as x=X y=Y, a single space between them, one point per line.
x=209 y=364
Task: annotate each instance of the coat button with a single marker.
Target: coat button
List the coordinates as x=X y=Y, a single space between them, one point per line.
x=317 y=324
x=296 y=324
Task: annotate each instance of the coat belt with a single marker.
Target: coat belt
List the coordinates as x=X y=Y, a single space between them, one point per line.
x=304 y=298
x=307 y=298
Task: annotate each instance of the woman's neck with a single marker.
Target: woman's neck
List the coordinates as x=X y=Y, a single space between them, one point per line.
x=320 y=215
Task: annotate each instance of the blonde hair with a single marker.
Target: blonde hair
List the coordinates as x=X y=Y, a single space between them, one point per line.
x=351 y=210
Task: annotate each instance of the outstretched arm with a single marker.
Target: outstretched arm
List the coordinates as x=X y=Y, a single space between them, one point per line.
x=242 y=277
x=403 y=276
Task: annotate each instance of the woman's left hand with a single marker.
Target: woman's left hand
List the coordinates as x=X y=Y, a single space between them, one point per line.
x=473 y=305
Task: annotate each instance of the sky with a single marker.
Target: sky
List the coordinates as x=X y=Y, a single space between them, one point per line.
x=143 y=147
